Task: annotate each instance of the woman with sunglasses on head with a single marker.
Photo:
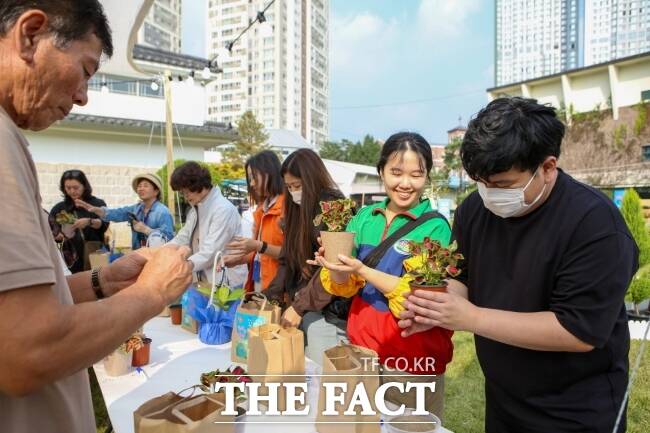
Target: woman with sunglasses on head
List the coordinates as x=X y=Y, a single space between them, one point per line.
x=86 y=234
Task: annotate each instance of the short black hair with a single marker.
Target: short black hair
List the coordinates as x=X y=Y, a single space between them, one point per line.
x=400 y=143
x=80 y=177
x=268 y=165
x=192 y=176
x=510 y=133
x=70 y=20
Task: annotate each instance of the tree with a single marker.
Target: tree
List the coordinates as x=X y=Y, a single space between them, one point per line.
x=364 y=152
x=639 y=289
x=251 y=140
x=633 y=215
x=332 y=150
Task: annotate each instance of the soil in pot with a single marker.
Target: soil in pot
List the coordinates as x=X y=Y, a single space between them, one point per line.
x=643 y=315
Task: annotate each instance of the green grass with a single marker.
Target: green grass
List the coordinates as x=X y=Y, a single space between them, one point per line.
x=465 y=399
x=464 y=394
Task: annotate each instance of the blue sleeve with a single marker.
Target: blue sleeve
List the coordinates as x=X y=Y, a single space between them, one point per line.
x=166 y=225
x=119 y=214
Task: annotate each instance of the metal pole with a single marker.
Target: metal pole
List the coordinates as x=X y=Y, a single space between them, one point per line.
x=169 y=136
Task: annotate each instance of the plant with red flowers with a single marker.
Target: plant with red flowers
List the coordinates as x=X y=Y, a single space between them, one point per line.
x=433 y=263
x=234 y=374
x=335 y=214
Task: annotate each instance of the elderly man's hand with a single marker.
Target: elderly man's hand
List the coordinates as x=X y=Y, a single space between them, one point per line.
x=166 y=274
x=124 y=271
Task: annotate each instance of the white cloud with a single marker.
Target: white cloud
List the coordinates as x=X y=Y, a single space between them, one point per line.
x=360 y=42
x=443 y=19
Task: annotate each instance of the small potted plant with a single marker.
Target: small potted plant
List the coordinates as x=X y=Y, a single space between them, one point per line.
x=66 y=220
x=637 y=292
x=233 y=374
x=176 y=313
x=433 y=264
x=140 y=344
x=119 y=362
x=335 y=215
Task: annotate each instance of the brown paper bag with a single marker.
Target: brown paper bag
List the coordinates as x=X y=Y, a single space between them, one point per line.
x=254 y=310
x=171 y=413
x=276 y=355
x=349 y=364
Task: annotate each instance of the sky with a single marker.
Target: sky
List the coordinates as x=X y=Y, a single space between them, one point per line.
x=407 y=65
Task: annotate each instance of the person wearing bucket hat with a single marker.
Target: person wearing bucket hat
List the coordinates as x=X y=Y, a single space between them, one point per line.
x=147 y=217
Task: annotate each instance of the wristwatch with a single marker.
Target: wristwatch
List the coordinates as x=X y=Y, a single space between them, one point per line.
x=264 y=247
x=94 y=281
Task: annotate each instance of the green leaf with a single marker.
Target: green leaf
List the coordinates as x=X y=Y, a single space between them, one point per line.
x=222 y=294
x=235 y=295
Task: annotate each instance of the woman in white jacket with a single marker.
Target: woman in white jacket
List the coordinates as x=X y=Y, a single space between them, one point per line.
x=211 y=223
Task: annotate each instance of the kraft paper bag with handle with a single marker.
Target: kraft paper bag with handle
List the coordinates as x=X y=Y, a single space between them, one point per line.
x=350 y=364
x=276 y=355
x=172 y=413
x=254 y=310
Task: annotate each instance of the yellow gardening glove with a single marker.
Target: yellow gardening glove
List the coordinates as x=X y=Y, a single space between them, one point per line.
x=396 y=296
x=346 y=290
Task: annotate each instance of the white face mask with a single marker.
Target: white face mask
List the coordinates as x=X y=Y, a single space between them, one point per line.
x=296 y=196
x=507 y=202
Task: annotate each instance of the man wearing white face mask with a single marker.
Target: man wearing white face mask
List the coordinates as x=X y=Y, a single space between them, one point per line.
x=547 y=263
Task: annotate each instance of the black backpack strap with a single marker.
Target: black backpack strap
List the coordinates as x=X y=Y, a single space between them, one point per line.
x=372 y=259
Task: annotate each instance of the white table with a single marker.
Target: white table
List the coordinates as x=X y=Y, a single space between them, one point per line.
x=177 y=360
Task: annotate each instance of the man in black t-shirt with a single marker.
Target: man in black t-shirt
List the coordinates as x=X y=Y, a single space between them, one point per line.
x=547 y=263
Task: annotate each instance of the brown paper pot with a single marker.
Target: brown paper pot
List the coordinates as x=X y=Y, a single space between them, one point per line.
x=336 y=243
x=439 y=288
x=141 y=356
x=176 y=314
x=118 y=363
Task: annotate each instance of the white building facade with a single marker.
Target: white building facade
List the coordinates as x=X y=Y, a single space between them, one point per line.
x=616 y=29
x=283 y=78
x=537 y=38
x=162 y=26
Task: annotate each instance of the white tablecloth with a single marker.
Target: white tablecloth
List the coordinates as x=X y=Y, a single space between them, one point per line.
x=177 y=360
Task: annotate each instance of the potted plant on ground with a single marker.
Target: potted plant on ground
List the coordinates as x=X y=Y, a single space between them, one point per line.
x=335 y=215
x=431 y=264
x=66 y=220
x=140 y=344
x=637 y=292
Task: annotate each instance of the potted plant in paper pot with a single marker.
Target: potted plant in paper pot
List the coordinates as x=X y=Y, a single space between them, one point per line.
x=431 y=264
x=66 y=220
x=336 y=215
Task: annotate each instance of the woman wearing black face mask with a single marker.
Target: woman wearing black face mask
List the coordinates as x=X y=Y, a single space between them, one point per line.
x=307 y=183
